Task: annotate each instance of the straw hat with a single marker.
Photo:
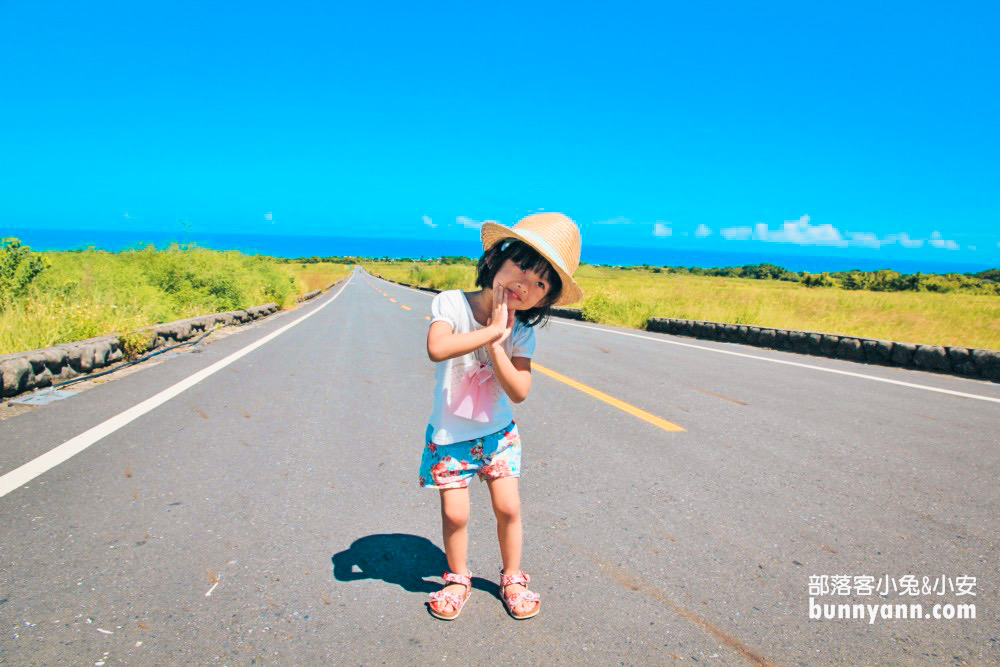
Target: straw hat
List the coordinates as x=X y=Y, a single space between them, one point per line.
x=555 y=237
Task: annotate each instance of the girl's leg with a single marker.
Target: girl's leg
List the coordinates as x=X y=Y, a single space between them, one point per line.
x=507 y=507
x=455 y=527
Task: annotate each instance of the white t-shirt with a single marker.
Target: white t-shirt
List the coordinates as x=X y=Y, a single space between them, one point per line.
x=453 y=307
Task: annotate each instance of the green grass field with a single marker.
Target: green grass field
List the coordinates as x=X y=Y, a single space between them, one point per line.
x=80 y=295
x=630 y=297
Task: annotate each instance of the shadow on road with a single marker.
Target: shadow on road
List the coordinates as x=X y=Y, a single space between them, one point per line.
x=399 y=559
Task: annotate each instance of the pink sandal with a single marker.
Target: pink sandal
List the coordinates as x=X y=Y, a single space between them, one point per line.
x=512 y=600
x=455 y=601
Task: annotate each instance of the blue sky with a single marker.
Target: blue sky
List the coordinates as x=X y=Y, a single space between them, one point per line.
x=771 y=127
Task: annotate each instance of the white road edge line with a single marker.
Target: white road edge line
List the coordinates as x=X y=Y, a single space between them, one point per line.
x=794 y=363
x=18 y=477
x=774 y=361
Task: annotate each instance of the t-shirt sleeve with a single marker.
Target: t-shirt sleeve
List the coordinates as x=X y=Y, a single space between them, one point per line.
x=442 y=309
x=524 y=341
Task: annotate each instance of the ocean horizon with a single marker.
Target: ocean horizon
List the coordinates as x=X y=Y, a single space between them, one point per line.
x=290 y=247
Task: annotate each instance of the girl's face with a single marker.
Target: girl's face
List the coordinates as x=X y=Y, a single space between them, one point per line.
x=525 y=289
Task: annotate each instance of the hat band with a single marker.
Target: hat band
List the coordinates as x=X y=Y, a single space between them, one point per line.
x=543 y=245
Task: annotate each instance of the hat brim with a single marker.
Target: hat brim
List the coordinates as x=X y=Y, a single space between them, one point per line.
x=571 y=291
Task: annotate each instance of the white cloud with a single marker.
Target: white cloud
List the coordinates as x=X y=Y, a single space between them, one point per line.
x=268 y=216
x=938 y=242
x=127 y=215
x=800 y=232
x=865 y=239
x=702 y=231
x=661 y=229
x=971 y=247
x=871 y=240
x=737 y=233
x=427 y=221
x=469 y=222
x=904 y=240
x=620 y=220
x=803 y=232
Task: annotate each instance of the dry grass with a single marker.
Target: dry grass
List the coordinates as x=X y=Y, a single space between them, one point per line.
x=630 y=297
x=321 y=275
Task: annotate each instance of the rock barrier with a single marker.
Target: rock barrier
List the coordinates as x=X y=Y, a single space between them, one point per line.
x=36 y=369
x=969 y=362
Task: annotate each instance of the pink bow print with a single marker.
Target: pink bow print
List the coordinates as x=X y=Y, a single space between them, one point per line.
x=473 y=397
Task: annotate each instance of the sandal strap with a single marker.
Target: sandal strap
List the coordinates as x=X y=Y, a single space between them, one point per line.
x=519 y=578
x=524 y=596
x=453 y=578
x=450 y=598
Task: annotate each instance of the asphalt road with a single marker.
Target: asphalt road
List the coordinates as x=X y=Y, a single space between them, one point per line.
x=270 y=513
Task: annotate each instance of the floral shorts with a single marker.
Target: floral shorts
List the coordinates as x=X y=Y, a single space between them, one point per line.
x=492 y=456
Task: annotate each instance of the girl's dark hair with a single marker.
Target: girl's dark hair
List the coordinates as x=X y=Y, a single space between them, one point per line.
x=528 y=259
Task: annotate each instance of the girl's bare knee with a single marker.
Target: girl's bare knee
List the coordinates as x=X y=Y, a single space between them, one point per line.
x=455 y=518
x=506 y=499
x=455 y=508
x=507 y=509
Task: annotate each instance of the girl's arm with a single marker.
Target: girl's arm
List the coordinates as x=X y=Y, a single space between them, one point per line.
x=514 y=374
x=444 y=344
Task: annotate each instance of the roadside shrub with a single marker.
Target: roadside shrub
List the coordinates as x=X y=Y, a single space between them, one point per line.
x=133 y=345
x=454 y=278
x=611 y=307
x=418 y=276
x=18 y=268
x=818 y=280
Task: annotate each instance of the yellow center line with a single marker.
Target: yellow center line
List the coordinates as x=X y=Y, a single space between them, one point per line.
x=393 y=300
x=610 y=400
x=405 y=307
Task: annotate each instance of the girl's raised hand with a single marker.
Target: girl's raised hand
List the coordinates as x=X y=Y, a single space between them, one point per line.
x=502 y=319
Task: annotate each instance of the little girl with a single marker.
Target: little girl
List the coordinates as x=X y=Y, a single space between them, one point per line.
x=483 y=343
